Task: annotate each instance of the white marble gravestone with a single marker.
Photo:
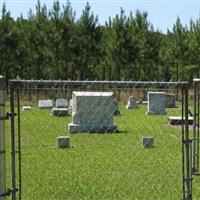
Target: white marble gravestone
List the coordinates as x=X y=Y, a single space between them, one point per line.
x=170 y=100
x=45 y=103
x=132 y=102
x=61 y=103
x=26 y=108
x=92 y=112
x=156 y=103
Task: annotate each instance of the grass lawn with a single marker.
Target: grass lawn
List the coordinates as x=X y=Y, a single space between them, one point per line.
x=102 y=166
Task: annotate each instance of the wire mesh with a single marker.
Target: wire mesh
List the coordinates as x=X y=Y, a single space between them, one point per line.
x=119 y=139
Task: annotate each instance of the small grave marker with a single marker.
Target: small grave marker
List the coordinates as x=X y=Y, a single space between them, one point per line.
x=63 y=142
x=148 y=142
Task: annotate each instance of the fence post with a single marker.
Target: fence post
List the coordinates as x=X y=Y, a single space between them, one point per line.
x=12 y=145
x=186 y=147
x=2 y=140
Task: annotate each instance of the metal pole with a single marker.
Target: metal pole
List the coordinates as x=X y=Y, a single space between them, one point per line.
x=198 y=128
x=183 y=144
x=195 y=142
x=187 y=151
x=12 y=145
x=194 y=128
x=2 y=140
x=19 y=144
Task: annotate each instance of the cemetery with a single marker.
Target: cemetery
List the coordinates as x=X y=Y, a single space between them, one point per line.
x=99 y=100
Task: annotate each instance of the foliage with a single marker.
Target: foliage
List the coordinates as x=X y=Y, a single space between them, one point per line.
x=53 y=44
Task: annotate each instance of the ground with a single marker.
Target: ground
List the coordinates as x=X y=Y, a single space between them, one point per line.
x=102 y=166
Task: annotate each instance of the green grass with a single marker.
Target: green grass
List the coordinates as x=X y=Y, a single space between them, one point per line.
x=102 y=166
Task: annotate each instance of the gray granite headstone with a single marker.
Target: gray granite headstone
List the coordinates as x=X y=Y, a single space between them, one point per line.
x=45 y=103
x=59 y=112
x=170 y=100
x=132 y=102
x=92 y=112
x=156 y=103
x=61 y=103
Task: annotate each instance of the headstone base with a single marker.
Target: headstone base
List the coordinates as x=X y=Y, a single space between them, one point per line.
x=60 y=112
x=99 y=128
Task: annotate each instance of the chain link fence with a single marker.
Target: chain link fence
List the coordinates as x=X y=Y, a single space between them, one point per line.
x=100 y=140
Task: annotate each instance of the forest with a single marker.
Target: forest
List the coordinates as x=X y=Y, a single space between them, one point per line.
x=54 y=44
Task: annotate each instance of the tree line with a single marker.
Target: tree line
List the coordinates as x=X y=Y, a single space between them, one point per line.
x=53 y=44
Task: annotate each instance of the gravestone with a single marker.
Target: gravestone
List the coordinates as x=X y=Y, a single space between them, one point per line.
x=177 y=120
x=170 y=100
x=45 y=103
x=26 y=108
x=116 y=108
x=59 y=112
x=92 y=112
x=61 y=103
x=63 y=142
x=132 y=102
x=148 y=142
x=156 y=103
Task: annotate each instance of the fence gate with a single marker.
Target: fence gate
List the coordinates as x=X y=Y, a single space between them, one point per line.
x=99 y=166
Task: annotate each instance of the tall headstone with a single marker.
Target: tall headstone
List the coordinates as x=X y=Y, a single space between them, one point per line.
x=92 y=112
x=156 y=103
x=61 y=103
x=170 y=100
x=45 y=103
x=132 y=102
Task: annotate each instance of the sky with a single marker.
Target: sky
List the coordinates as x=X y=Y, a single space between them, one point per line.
x=161 y=13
